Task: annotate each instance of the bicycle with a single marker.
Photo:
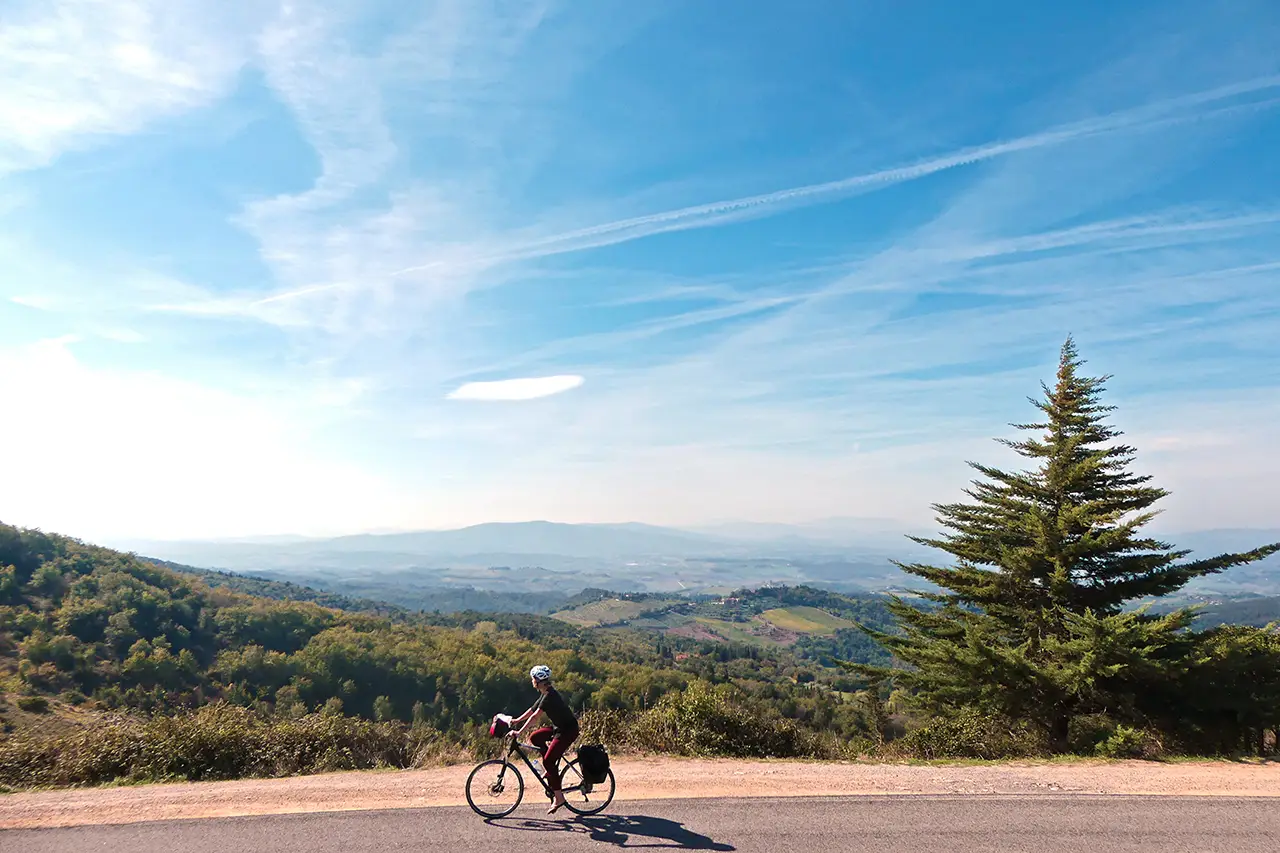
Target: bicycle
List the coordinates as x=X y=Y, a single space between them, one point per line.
x=490 y=780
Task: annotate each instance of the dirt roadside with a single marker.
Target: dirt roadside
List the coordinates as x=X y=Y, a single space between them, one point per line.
x=638 y=779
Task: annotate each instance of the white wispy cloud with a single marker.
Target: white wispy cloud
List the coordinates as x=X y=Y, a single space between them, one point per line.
x=1194 y=107
x=464 y=260
x=104 y=300
x=527 y=388
x=123 y=335
x=332 y=91
x=34 y=300
x=832 y=369
x=338 y=248
x=1048 y=265
x=76 y=71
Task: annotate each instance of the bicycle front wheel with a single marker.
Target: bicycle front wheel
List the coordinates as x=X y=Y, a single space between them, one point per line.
x=495 y=788
x=577 y=798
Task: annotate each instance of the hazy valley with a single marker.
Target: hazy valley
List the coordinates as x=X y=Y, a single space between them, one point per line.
x=539 y=567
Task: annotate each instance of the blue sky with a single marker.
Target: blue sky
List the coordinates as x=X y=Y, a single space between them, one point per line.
x=264 y=266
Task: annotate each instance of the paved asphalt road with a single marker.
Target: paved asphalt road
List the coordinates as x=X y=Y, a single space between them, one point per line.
x=1061 y=824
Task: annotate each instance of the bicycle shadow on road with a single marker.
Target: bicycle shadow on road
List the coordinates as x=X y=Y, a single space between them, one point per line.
x=629 y=831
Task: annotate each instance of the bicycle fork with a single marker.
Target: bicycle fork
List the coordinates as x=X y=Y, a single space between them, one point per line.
x=497 y=787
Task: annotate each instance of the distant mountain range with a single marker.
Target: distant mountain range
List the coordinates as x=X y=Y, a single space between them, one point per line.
x=549 y=556
x=839 y=533
x=613 y=547
x=601 y=541
x=545 y=538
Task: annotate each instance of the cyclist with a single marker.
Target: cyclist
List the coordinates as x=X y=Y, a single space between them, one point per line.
x=554 y=739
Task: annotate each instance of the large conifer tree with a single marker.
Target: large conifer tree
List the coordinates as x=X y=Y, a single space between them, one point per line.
x=1031 y=621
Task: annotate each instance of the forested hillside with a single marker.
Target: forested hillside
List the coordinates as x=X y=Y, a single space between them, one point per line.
x=812 y=624
x=382 y=593
x=282 y=590
x=87 y=626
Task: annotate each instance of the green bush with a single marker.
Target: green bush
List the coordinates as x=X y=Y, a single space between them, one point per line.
x=215 y=742
x=970 y=734
x=1127 y=742
x=1101 y=735
x=1088 y=731
x=702 y=720
x=34 y=704
x=606 y=727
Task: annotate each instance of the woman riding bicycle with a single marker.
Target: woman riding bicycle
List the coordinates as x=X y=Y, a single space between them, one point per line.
x=554 y=739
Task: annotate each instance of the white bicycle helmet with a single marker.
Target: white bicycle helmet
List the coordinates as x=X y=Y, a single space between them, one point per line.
x=540 y=673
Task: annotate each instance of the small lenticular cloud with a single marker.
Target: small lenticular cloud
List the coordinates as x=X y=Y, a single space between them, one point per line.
x=516 y=389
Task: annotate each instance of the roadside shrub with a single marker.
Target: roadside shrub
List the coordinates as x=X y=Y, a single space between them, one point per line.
x=1100 y=735
x=702 y=720
x=605 y=727
x=1128 y=742
x=970 y=734
x=33 y=704
x=1088 y=731
x=216 y=742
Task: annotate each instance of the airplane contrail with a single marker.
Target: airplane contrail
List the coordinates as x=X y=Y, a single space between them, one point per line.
x=703 y=215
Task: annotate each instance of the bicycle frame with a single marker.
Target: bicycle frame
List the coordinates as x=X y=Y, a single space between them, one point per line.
x=542 y=780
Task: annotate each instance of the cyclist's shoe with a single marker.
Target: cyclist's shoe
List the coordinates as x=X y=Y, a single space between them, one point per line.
x=587 y=787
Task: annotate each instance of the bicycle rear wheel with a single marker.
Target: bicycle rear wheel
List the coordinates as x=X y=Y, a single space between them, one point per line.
x=495 y=788
x=580 y=801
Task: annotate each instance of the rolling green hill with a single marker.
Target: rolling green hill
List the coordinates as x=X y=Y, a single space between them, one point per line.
x=278 y=590
x=85 y=630
x=805 y=620
x=612 y=611
x=813 y=624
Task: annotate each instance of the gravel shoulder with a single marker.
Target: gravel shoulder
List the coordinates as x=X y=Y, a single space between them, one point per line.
x=646 y=778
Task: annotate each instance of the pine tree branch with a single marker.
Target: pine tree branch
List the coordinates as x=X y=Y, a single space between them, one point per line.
x=1217 y=564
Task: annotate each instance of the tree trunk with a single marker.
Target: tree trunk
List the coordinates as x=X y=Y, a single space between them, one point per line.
x=1059 y=733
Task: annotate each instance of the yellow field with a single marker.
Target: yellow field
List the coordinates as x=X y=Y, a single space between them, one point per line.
x=806 y=620
x=740 y=632
x=607 y=612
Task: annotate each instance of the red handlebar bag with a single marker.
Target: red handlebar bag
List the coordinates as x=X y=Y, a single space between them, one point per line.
x=500 y=725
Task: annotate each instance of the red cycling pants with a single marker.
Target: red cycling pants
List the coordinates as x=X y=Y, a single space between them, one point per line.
x=553 y=747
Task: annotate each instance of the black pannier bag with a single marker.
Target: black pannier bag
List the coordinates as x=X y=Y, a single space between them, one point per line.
x=594 y=762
